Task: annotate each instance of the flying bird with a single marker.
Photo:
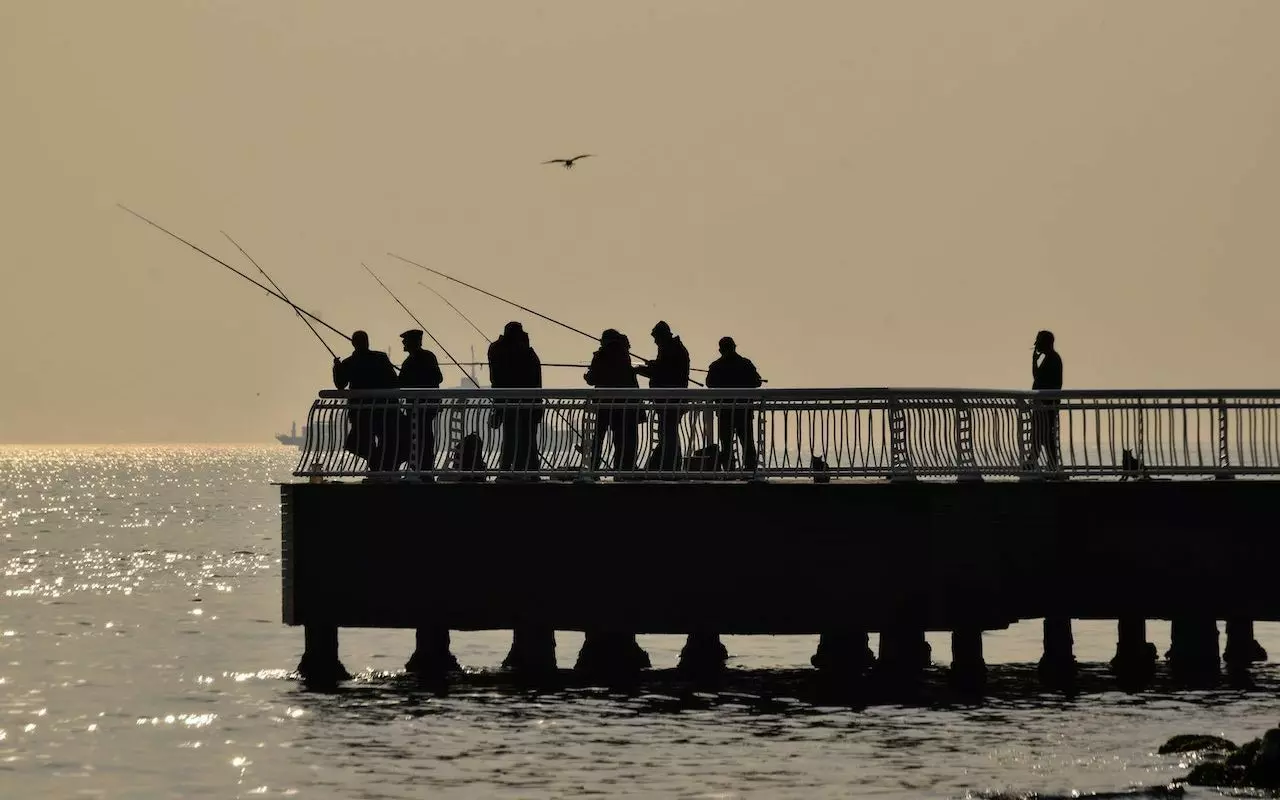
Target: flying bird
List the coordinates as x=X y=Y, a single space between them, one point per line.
x=568 y=162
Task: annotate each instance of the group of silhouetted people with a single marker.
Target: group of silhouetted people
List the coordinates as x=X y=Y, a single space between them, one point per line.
x=383 y=434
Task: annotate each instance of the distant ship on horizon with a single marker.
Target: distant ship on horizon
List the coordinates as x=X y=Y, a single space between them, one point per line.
x=293 y=437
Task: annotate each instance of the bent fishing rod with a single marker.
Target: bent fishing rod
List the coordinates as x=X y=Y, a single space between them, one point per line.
x=282 y=294
x=578 y=331
x=444 y=349
x=209 y=255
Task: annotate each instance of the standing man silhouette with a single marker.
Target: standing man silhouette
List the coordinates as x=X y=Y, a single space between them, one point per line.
x=1046 y=375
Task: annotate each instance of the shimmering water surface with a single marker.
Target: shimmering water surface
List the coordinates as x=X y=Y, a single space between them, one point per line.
x=142 y=655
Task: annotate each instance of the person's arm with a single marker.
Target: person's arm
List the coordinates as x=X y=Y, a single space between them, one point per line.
x=537 y=368
x=340 y=380
x=433 y=368
x=713 y=376
x=756 y=380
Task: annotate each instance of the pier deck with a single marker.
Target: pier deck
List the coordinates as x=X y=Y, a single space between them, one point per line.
x=926 y=512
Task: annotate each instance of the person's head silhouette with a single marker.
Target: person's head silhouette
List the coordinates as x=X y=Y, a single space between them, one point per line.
x=1044 y=341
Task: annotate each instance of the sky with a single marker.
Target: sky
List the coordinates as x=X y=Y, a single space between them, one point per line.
x=890 y=193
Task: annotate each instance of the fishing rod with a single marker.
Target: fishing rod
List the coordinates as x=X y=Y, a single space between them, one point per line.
x=444 y=349
x=578 y=331
x=271 y=292
x=282 y=294
x=485 y=336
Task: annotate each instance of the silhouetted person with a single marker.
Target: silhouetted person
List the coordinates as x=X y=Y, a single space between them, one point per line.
x=611 y=369
x=732 y=371
x=372 y=428
x=513 y=364
x=1046 y=374
x=468 y=456
x=670 y=370
x=420 y=370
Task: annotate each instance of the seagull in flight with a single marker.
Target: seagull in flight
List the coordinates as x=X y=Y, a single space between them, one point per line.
x=568 y=162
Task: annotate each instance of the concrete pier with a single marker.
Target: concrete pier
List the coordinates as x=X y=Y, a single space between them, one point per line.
x=431 y=655
x=1135 y=660
x=835 y=560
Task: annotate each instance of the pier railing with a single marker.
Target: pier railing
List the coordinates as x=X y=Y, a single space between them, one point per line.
x=814 y=434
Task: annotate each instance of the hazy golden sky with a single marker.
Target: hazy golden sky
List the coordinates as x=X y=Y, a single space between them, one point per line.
x=861 y=193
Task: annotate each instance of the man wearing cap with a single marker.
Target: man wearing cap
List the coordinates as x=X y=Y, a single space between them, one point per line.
x=372 y=430
x=670 y=370
x=732 y=371
x=420 y=370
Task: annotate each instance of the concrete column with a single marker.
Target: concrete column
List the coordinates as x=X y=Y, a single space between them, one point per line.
x=1242 y=649
x=846 y=653
x=1193 y=653
x=320 y=662
x=968 y=669
x=611 y=653
x=703 y=653
x=904 y=655
x=533 y=651
x=1058 y=664
x=1135 y=658
x=431 y=654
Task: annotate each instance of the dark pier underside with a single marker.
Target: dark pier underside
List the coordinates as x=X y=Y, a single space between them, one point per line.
x=775 y=558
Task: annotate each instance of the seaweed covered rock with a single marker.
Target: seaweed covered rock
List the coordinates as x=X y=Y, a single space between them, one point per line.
x=1255 y=765
x=1193 y=742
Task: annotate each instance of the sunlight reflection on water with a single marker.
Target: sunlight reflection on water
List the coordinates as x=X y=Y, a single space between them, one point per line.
x=142 y=654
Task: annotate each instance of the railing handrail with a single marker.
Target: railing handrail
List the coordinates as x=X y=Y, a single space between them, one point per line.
x=818 y=393
x=768 y=433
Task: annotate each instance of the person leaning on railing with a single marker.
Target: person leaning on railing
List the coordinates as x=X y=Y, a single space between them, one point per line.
x=514 y=364
x=611 y=369
x=670 y=370
x=373 y=431
x=733 y=371
x=1046 y=375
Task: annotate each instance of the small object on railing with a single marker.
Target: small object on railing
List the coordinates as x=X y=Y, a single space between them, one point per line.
x=316 y=468
x=819 y=466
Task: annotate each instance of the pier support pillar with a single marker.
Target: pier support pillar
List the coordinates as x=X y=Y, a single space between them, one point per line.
x=968 y=669
x=703 y=653
x=904 y=655
x=1193 y=652
x=1242 y=649
x=431 y=654
x=1058 y=664
x=320 y=662
x=1135 y=658
x=611 y=653
x=533 y=651
x=844 y=653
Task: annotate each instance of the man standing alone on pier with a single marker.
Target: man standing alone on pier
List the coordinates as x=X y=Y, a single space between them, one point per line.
x=670 y=370
x=371 y=429
x=732 y=371
x=514 y=364
x=420 y=370
x=1046 y=375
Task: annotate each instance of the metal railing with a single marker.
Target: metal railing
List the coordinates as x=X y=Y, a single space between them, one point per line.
x=815 y=434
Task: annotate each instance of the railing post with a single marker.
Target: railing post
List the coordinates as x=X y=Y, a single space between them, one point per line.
x=899 y=452
x=589 y=467
x=1024 y=436
x=966 y=465
x=1224 y=442
x=762 y=452
x=414 y=459
x=1141 y=445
